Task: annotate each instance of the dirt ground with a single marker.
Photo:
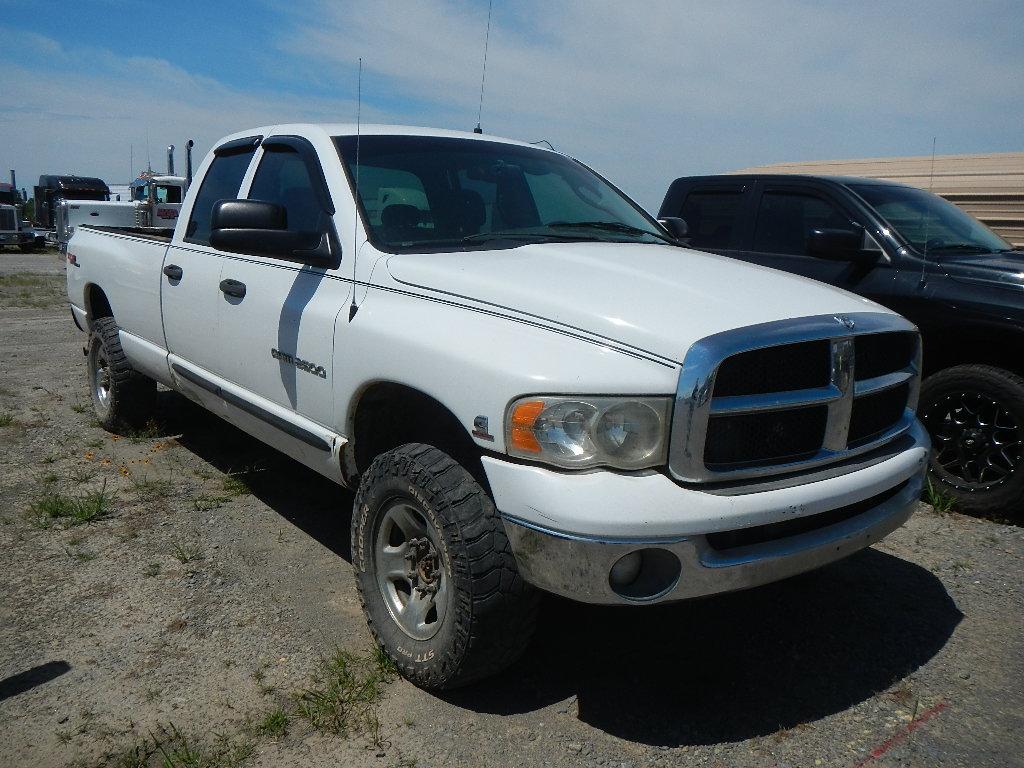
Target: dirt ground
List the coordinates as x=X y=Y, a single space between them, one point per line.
x=169 y=597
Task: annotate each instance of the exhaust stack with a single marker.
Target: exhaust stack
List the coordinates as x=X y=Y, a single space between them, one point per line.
x=188 y=163
x=170 y=160
x=14 y=183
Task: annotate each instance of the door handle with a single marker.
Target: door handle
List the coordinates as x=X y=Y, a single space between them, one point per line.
x=233 y=288
x=173 y=271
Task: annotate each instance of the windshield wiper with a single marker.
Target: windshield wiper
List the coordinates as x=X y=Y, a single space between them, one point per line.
x=484 y=236
x=613 y=226
x=972 y=247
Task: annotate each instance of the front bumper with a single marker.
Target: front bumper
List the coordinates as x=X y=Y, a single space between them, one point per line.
x=551 y=520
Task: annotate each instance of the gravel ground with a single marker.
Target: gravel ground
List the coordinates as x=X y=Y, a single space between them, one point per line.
x=218 y=577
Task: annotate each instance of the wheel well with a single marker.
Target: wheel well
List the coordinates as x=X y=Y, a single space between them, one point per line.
x=994 y=346
x=96 y=303
x=389 y=415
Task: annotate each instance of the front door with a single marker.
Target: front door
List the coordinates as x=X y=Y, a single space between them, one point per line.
x=279 y=336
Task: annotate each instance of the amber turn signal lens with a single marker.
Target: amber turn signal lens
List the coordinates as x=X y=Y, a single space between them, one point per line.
x=523 y=418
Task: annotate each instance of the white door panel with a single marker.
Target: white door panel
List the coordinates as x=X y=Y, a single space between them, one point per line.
x=191 y=305
x=280 y=334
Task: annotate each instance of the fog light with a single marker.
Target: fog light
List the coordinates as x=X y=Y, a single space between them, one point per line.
x=644 y=575
x=625 y=570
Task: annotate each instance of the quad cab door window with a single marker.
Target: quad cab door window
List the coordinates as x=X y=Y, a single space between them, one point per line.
x=221 y=182
x=283 y=178
x=712 y=216
x=786 y=219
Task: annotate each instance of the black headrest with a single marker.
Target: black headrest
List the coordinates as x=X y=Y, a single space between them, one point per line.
x=400 y=215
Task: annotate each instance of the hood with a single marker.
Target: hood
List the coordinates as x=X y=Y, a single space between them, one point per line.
x=656 y=298
x=1000 y=270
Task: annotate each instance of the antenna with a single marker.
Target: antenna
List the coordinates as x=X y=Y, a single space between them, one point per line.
x=931 y=183
x=149 y=165
x=483 y=75
x=352 y=308
x=131 y=163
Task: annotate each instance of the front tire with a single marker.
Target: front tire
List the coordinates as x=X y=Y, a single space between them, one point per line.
x=121 y=396
x=975 y=416
x=436 y=575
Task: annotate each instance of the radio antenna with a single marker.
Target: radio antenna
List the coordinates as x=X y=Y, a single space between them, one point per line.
x=352 y=308
x=931 y=184
x=483 y=75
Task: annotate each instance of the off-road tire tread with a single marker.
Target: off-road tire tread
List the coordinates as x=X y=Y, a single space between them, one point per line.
x=1006 y=499
x=495 y=609
x=134 y=393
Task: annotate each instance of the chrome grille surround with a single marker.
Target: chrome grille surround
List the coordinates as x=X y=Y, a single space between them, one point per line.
x=695 y=402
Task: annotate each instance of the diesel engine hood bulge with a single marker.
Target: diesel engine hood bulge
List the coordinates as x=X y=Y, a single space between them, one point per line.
x=659 y=299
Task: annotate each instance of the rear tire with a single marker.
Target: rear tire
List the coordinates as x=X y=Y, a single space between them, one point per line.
x=121 y=396
x=975 y=416
x=459 y=611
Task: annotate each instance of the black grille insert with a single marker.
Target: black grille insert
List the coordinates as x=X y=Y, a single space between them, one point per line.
x=773 y=437
x=882 y=353
x=775 y=369
x=761 y=534
x=874 y=414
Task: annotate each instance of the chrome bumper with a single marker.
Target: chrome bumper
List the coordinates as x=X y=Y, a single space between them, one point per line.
x=578 y=567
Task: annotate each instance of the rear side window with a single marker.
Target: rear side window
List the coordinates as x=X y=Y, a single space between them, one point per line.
x=283 y=178
x=221 y=182
x=711 y=217
x=785 y=219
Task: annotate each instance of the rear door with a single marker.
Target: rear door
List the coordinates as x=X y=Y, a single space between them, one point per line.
x=190 y=292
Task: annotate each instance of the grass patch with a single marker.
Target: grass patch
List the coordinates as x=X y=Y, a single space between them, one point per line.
x=153 y=569
x=76 y=510
x=152 y=429
x=6 y=419
x=82 y=475
x=206 y=503
x=274 y=725
x=27 y=290
x=152 y=490
x=167 y=747
x=342 y=695
x=941 y=501
x=185 y=552
x=79 y=408
x=234 y=485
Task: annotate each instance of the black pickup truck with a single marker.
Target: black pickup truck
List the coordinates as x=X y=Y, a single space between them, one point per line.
x=912 y=251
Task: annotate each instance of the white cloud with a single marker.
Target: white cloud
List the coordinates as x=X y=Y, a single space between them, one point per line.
x=643 y=92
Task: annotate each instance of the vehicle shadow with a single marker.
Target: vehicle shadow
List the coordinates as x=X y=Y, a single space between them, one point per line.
x=701 y=672
x=309 y=501
x=735 y=666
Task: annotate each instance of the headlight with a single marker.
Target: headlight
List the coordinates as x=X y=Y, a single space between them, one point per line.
x=577 y=432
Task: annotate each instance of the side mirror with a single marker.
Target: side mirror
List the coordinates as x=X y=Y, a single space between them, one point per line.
x=838 y=245
x=258 y=228
x=675 y=226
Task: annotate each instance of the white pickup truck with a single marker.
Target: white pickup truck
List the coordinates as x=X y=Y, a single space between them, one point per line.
x=528 y=380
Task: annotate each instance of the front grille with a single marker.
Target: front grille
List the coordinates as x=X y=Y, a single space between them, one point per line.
x=762 y=534
x=8 y=221
x=792 y=395
x=774 y=437
x=774 y=369
x=882 y=353
x=875 y=414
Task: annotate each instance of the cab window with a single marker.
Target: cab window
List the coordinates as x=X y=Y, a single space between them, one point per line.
x=785 y=219
x=221 y=182
x=283 y=178
x=711 y=216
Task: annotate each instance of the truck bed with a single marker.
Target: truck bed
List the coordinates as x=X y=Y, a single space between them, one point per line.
x=159 y=234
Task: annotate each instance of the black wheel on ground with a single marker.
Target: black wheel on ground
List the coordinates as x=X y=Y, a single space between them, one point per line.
x=121 y=396
x=975 y=416
x=435 y=572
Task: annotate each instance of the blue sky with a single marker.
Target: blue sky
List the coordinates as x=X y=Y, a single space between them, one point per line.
x=644 y=92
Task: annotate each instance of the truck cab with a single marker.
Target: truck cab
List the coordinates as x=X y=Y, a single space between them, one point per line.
x=912 y=251
x=13 y=231
x=52 y=189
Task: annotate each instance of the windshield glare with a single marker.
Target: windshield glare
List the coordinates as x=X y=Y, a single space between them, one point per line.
x=928 y=222
x=421 y=193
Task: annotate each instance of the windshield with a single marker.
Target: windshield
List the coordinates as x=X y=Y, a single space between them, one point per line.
x=929 y=223
x=424 y=193
x=9 y=198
